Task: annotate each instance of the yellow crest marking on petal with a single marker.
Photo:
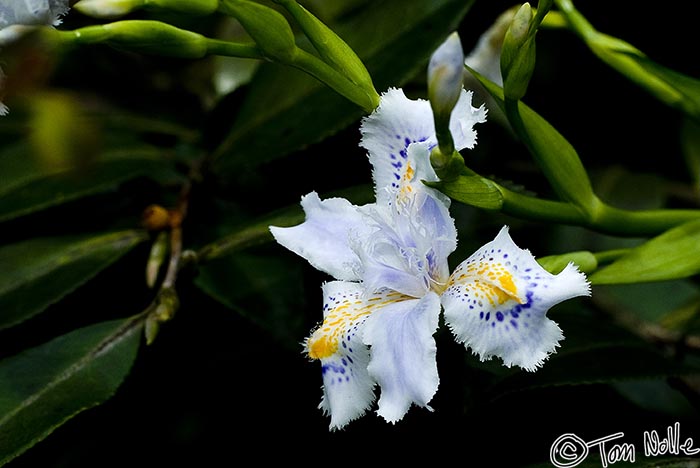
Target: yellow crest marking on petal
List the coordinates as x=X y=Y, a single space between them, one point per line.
x=325 y=340
x=322 y=347
x=491 y=281
x=406 y=189
x=507 y=284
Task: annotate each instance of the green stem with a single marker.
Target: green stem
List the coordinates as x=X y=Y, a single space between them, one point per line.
x=233 y=49
x=635 y=223
x=604 y=218
x=578 y=23
x=618 y=54
x=557 y=170
x=537 y=209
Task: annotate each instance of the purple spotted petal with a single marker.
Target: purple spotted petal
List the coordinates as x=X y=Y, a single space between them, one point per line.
x=496 y=303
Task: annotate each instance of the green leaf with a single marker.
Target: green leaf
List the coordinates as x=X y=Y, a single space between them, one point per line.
x=687 y=88
x=38 y=272
x=555 y=156
x=584 y=260
x=285 y=109
x=41 y=388
x=671 y=255
x=27 y=187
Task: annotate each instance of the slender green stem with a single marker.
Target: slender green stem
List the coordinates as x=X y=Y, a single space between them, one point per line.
x=537 y=209
x=605 y=218
x=620 y=55
x=558 y=168
x=576 y=20
x=635 y=223
x=233 y=49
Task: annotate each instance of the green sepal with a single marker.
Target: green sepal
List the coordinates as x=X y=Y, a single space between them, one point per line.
x=473 y=190
x=555 y=156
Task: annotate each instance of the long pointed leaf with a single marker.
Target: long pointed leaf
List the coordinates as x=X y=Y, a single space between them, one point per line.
x=38 y=272
x=26 y=187
x=43 y=387
x=672 y=255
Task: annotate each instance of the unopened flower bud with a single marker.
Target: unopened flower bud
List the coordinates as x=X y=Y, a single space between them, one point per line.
x=518 y=54
x=268 y=28
x=445 y=75
x=445 y=78
x=334 y=50
x=144 y=36
x=108 y=9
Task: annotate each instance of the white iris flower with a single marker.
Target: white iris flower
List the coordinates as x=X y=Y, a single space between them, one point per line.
x=32 y=12
x=392 y=279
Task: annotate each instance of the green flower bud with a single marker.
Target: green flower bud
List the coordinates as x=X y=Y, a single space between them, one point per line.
x=191 y=7
x=331 y=47
x=518 y=54
x=150 y=37
x=108 y=9
x=268 y=28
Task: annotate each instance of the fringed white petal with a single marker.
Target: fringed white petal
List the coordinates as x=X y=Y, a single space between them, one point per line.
x=496 y=303
x=387 y=134
x=324 y=238
x=337 y=343
x=32 y=12
x=397 y=126
x=463 y=119
x=403 y=354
